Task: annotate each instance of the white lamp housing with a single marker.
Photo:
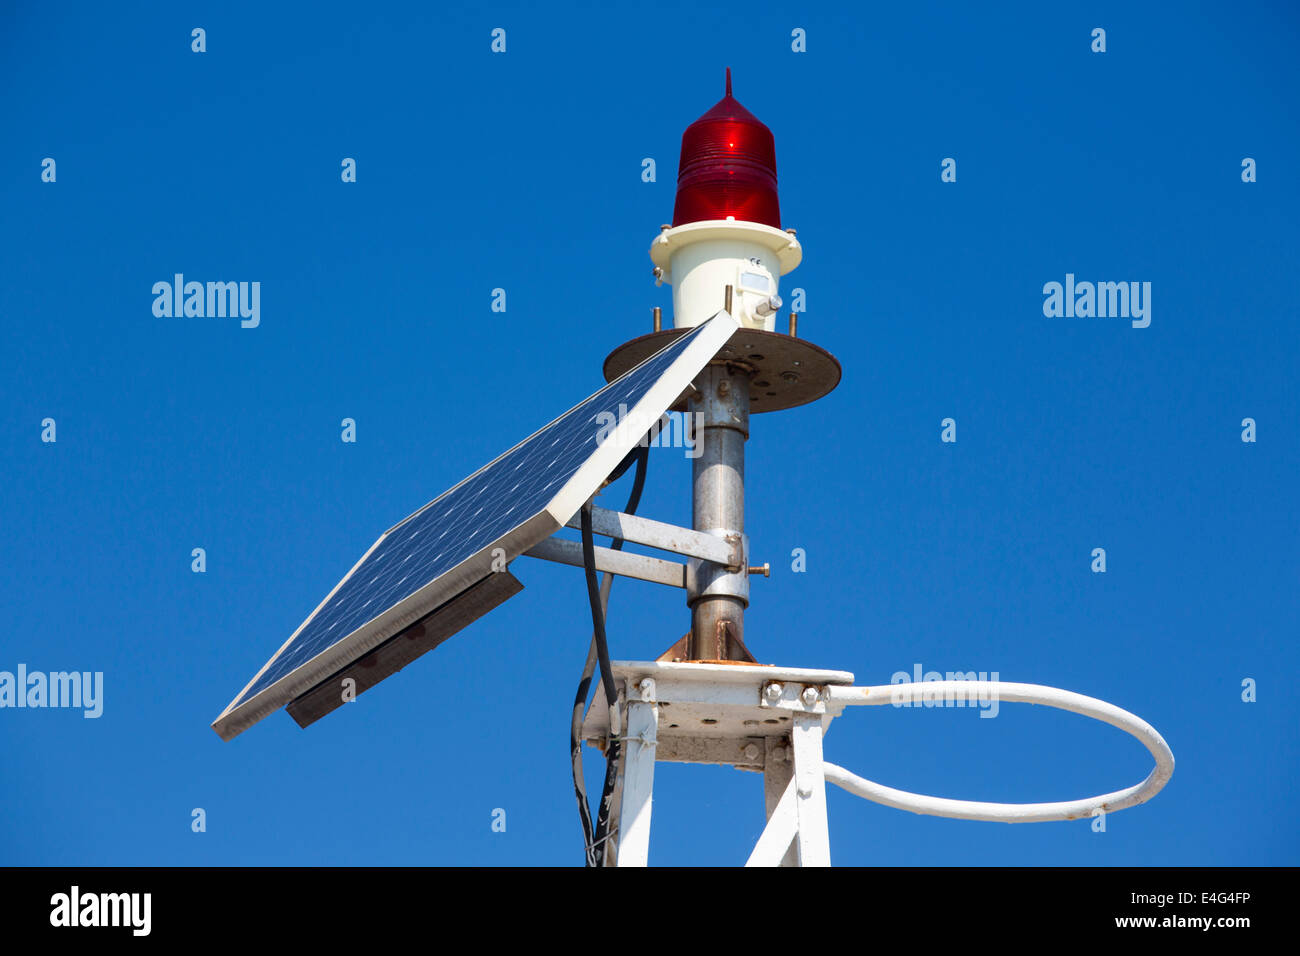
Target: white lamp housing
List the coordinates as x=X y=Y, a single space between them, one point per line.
x=700 y=259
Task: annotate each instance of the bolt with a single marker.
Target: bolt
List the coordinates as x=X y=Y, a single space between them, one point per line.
x=751 y=751
x=773 y=692
x=809 y=696
x=763 y=569
x=778 y=754
x=646 y=687
x=665 y=225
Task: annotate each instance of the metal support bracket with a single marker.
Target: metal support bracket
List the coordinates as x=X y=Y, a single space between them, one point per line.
x=727 y=551
x=655 y=570
x=773 y=720
x=717 y=555
x=799 y=698
x=715 y=713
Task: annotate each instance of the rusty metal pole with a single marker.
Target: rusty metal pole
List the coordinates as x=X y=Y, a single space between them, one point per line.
x=718 y=597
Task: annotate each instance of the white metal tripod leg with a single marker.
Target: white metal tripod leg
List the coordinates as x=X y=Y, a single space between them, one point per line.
x=639 y=743
x=813 y=837
x=776 y=843
x=777 y=771
x=797 y=823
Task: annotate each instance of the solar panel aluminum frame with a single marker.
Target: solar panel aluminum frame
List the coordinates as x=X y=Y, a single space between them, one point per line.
x=407 y=645
x=585 y=482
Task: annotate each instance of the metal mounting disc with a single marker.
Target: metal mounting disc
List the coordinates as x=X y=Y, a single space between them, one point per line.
x=787 y=370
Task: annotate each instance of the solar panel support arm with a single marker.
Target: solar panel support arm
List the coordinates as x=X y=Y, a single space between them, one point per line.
x=727 y=551
x=640 y=566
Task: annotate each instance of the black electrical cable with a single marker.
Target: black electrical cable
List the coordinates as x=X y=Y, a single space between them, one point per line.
x=598 y=653
x=584 y=684
x=613 y=751
x=597 y=612
x=636 y=455
x=613 y=747
x=575 y=751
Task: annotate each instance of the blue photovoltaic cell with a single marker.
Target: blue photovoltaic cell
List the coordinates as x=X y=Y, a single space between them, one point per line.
x=490 y=503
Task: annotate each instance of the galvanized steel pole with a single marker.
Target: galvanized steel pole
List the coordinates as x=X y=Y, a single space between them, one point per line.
x=718 y=597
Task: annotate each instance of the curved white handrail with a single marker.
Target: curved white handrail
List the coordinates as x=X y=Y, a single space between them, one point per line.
x=1006 y=812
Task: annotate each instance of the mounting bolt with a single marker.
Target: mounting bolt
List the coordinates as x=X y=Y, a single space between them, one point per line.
x=646 y=687
x=778 y=754
x=764 y=569
x=809 y=696
x=772 y=692
x=751 y=751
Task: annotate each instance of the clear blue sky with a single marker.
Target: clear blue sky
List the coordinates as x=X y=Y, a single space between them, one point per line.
x=523 y=171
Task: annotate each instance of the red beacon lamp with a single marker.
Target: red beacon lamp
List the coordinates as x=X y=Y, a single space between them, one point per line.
x=726 y=228
x=725 y=249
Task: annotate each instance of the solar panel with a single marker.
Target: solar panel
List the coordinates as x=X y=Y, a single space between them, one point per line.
x=419 y=567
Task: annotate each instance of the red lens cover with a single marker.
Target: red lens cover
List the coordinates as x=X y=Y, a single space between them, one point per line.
x=727 y=168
